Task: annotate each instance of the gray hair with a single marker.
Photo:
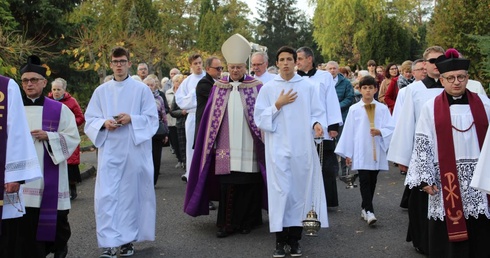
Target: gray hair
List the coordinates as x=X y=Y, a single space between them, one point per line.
x=416 y=62
x=333 y=63
x=60 y=81
x=263 y=54
x=308 y=52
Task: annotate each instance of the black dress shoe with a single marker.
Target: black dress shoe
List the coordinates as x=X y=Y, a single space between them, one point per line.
x=222 y=233
x=212 y=207
x=61 y=253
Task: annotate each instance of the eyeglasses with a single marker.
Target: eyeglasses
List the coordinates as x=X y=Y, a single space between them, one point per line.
x=259 y=64
x=393 y=68
x=219 y=68
x=451 y=79
x=34 y=80
x=119 y=62
x=371 y=65
x=432 y=60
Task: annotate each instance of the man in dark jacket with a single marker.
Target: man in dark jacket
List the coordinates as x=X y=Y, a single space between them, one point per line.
x=345 y=93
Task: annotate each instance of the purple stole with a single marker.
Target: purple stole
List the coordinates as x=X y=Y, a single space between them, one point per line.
x=203 y=183
x=453 y=206
x=46 y=230
x=4 y=83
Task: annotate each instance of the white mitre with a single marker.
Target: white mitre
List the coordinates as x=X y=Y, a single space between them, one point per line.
x=236 y=49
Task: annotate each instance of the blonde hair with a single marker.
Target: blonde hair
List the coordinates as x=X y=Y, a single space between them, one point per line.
x=406 y=66
x=433 y=49
x=178 y=78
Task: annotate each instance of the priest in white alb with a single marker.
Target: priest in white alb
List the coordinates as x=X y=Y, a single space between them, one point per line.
x=448 y=138
x=55 y=135
x=290 y=115
x=121 y=121
x=186 y=99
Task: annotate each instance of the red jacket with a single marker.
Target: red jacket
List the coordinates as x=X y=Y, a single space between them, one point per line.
x=72 y=104
x=391 y=94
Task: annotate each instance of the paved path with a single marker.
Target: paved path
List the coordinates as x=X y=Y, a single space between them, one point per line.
x=179 y=235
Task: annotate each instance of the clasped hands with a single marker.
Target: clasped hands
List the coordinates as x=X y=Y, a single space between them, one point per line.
x=118 y=121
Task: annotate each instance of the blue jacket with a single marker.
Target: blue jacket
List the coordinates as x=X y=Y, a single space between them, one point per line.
x=345 y=93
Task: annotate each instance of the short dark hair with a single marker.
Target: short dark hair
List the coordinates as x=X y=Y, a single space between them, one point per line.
x=194 y=57
x=209 y=61
x=308 y=52
x=119 y=51
x=367 y=80
x=286 y=49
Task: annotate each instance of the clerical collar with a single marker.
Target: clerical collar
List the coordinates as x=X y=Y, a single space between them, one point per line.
x=127 y=76
x=33 y=102
x=310 y=73
x=460 y=100
x=432 y=83
x=231 y=80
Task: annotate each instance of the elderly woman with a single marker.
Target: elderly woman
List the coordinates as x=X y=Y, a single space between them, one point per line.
x=58 y=92
x=181 y=116
x=172 y=121
x=161 y=136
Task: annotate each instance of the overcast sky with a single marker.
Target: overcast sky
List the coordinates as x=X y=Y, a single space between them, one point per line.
x=302 y=4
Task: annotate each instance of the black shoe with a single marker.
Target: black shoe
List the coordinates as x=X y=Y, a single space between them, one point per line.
x=212 y=207
x=126 y=250
x=183 y=178
x=295 y=250
x=73 y=192
x=61 y=253
x=280 y=251
x=222 y=233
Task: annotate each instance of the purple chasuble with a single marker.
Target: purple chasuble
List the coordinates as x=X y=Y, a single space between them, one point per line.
x=4 y=83
x=46 y=230
x=203 y=182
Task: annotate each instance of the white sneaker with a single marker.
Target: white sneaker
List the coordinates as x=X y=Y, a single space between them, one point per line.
x=371 y=219
x=363 y=214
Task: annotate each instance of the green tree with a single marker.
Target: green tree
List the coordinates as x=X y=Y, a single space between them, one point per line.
x=7 y=20
x=453 y=23
x=277 y=25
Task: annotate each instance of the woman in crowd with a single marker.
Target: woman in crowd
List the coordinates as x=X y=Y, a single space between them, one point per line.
x=180 y=115
x=391 y=71
x=161 y=136
x=58 y=92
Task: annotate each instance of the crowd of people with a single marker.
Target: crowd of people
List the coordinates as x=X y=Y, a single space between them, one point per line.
x=249 y=139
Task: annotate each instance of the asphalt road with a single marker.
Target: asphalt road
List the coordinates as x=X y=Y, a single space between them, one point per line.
x=179 y=235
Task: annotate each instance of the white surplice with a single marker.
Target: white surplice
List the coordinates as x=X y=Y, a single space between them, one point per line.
x=328 y=98
x=356 y=140
x=265 y=77
x=22 y=163
x=61 y=145
x=401 y=146
x=186 y=99
x=294 y=177
x=424 y=165
x=400 y=99
x=481 y=176
x=125 y=206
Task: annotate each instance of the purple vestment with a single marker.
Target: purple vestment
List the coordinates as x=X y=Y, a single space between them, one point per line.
x=203 y=183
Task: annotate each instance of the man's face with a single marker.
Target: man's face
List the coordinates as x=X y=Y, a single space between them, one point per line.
x=285 y=63
x=304 y=63
x=173 y=72
x=419 y=71
x=430 y=66
x=142 y=71
x=368 y=91
x=454 y=82
x=196 y=66
x=333 y=69
x=259 y=66
x=237 y=71
x=120 y=66
x=215 y=69
x=33 y=84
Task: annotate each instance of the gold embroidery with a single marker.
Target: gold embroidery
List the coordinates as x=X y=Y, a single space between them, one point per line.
x=450 y=188
x=454 y=219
